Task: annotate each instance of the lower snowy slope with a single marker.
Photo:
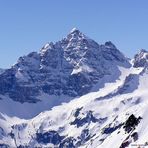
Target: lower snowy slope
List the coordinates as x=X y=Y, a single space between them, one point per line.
x=115 y=116
x=28 y=110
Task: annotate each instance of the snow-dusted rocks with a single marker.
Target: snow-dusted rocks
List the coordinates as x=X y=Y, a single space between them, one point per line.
x=75 y=93
x=109 y=44
x=141 y=59
x=71 y=67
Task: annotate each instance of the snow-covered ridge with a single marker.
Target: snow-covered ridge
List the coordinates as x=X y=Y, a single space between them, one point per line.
x=70 y=67
x=141 y=59
x=75 y=93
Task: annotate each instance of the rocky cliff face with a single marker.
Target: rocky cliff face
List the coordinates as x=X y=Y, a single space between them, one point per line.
x=141 y=59
x=72 y=67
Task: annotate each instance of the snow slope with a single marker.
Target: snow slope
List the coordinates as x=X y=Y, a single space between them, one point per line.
x=84 y=122
x=113 y=114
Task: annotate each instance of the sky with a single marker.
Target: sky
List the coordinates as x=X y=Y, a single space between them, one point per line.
x=25 y=26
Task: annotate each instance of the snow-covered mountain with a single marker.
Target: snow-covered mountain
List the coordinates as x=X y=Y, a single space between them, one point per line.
x=59 y=72
x=75 y=93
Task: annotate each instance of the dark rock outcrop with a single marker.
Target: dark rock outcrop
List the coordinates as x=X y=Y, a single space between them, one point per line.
x=131 y=123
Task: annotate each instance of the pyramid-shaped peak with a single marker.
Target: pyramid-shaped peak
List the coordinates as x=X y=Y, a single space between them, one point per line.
x=110 y=44
x=74 y=30
x=141 y=59
x=143 y=51
x=48 y=45
x=75 y=34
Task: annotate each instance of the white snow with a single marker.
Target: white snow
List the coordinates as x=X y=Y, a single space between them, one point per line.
x=119 y=107
x=74 y=29
x=83 y=68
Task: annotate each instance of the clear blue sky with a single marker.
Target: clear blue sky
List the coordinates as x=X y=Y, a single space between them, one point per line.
x=26 y=25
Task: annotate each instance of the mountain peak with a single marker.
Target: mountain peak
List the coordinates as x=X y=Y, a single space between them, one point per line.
x=109 y=44
x=47 y=46
x=74 y=30
x=143 y=51
x=75 y=33
x=71 y=67
x=141 y=59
